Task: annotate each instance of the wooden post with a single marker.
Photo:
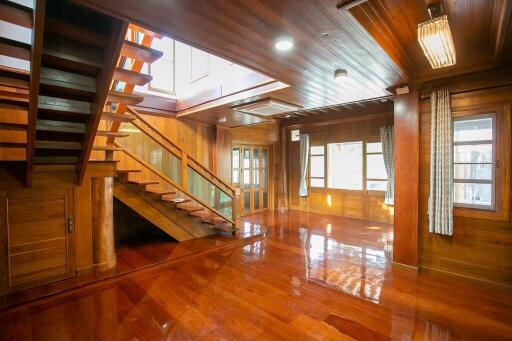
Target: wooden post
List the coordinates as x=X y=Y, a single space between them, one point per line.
x=407 y=174
x=104 y=255
x=183 y=170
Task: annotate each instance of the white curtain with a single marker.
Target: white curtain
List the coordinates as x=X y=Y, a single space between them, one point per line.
x=304 y=157
x=388 y=152
x=441 y=167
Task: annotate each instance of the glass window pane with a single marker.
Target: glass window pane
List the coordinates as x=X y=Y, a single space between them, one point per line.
x=375 y=168
x=374 y=147
x=474 y=194
x=375 y=185
x=235 y=176
x=472 y=130
x=316 y=182
x=265 y=200
x=473 y=171
x=256 y=178
x=317 y=167
x=247 y=157
x=317 y=150
x=345 y=165
x=264 y=158
x=255 y=158
x=477 y=153
x=256 y=200
x=264 y=174
x=247 y=201
x=246 y=178
x=236 y=158
x=162 y=71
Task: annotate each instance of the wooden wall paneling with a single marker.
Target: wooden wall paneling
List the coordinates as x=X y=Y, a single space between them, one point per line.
x=407 y=148
x=104 y=255
x=221 y=153
x=480 y=248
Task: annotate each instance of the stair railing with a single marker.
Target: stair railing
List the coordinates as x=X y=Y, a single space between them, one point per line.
x=179 y=168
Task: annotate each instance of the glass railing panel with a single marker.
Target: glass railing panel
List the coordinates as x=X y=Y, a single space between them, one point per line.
x=148 y=150
x=203 y=189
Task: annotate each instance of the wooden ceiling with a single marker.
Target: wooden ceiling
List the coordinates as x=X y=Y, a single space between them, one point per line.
x=481 y=32
x=374 y=40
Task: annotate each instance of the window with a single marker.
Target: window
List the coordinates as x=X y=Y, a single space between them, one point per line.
x=162 y=69
x=474 y=161
x=295 y=135
x=345 y=165
x=376 y=176
x=235 y=166
x=199 y=64
x=316 y=166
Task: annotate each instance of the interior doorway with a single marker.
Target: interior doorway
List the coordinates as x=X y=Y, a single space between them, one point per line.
x=250 y=173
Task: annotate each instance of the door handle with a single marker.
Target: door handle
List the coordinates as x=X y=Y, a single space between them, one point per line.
x=70 y=225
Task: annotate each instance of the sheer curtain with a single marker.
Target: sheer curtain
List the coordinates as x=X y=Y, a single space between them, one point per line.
x=388 y=152
x=304 y=157
x=441 y=167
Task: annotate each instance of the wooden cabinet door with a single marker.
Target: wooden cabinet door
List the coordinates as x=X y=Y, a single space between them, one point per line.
x=40 y=239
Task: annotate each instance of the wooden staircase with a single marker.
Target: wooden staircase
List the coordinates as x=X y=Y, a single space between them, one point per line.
x=171 y=210
x=15 y=54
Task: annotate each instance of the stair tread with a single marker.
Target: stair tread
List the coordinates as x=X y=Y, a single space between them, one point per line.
x=39 y=144
x=16 y=14
x=62 y=105
x=15 y=82
x=67 y=80
x=74 y=32
x=65 y=50
x=143 y=182
x=121 y=117
x=129 y=171
x=111 y=133
x=131 y=77
x=13 y=126
x=55 y=159
x=191 y=209
x=176 y=200
x=60 y=126
x=125 y=98
x=139 y=52
x=159 y=191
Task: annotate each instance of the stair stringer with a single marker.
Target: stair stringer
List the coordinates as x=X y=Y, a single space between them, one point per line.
x=172 y=221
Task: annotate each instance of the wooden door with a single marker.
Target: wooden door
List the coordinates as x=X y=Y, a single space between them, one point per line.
x=250 y=173
x=40 y=239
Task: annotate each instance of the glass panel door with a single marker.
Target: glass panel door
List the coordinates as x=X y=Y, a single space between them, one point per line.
x=250 y=172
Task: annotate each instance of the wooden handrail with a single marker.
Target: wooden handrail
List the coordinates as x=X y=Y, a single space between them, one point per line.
x=196 y=165
x=179 y=186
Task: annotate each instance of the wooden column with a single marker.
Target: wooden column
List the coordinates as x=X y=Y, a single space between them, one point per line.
x=104 y=255
x=407 y=165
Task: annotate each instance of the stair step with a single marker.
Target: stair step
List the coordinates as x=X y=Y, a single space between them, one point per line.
x=13 y=126
x=55 y=159
x=69 y=145
x=113 y=116
x=159 y=191
x=13 y=154
x=111 y=133
x=224 y=227
x=14 y=49
x=214 y=220
x=121 y=97
x=190 y=209
x=16 y=114
x=107 y=148
x=176 y=201
x=60 y=126
x=138 y=52
x=131 y=77
x=143 y=182
x=67 y=54
x=13 y=144
x=68 y=81
x=64 y=106
x=16 y=14
x=74 y=32
x=15 y=82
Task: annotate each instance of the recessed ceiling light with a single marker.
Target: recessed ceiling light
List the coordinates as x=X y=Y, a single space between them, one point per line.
x=284 y=43
x=340 y=75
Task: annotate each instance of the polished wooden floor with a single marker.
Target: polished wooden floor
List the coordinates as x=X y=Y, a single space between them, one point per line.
x=314 y=277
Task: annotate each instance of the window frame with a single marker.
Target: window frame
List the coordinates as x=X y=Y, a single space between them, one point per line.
x=163 y=91
x=502 y=110
x=494 y=162
x=309 y=167
x=363 y=164
x=366 y=178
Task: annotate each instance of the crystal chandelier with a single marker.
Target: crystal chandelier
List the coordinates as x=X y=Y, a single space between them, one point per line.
x=436 y=41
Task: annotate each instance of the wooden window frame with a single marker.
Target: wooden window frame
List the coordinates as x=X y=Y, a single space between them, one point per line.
x=365 y=167
x=501 y=151
x=363 y=161
x=325 y=168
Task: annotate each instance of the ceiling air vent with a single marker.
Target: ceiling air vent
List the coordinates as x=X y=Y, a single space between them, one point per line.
x=267 y=107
